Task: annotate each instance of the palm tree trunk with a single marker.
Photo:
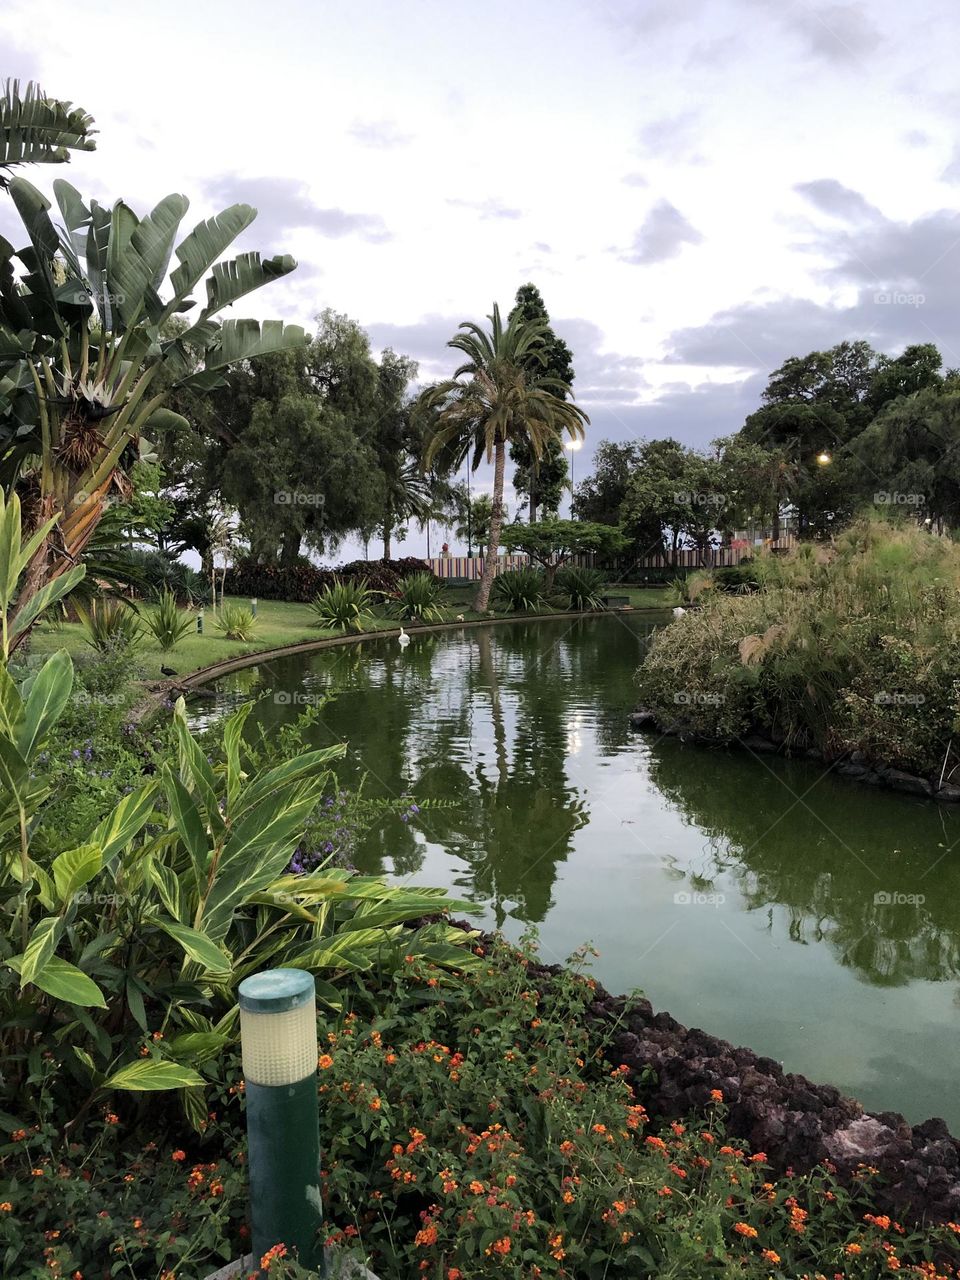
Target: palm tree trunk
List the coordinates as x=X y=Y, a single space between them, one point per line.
x=482 y=598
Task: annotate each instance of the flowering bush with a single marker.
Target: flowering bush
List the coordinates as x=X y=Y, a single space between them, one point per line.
x=470 y=1128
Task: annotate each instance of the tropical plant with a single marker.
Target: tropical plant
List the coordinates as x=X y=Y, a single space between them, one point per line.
x=344 y=605
x=584 y=588
x=519 y=589
x=237 y=622
x=167 y=623
x=109 y=623
x=15 y=558
x=417 y=599
x=491 y=400
x=35 y=129
x=86 y=346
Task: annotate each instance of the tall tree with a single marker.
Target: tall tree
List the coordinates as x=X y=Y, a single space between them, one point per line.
x=541 y=480
x=492 y=400
x=600 y=496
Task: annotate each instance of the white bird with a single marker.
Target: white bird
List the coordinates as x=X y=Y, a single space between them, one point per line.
x=678 y=612
x=403 y=639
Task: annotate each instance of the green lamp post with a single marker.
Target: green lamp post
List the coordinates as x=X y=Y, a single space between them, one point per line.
x=278 y=1037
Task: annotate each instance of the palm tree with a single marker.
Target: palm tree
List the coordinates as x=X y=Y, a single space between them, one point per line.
x=492 y=400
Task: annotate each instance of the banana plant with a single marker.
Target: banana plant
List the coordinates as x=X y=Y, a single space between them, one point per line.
x=35 y=129
x=89 y=349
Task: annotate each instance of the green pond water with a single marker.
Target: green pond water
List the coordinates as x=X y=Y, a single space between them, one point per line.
x=813 y=919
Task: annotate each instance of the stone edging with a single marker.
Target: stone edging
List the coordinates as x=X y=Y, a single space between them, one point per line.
x=853 y=765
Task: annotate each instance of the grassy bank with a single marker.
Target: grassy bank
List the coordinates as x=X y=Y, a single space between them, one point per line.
x=279 y=623
x=841 y=648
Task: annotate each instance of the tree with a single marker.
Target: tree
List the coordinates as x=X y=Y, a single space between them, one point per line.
x=398 y=444
x=490 y=401
x=916 y=368
x=294 y=449
x=908 y=459
x=35 y=129
x=470 y=517
x=552 y=542
x=84 y=342
x=600 y=497
x=541 y=480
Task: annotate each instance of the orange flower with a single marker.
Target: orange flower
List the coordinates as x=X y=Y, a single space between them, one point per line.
x=599 y=1128
x=375 y=1104
x=6 y=1207
x=716 y=1095
x=745 y=1229
x=391 y=1058
x=769 y=1255
x=18 y=1135
x=852 y=1248
x=278 y=1251
x=178 y=1155
x=454 y=1274
x=477 y=1187
x=881 y=1220
x=665 y=1191
x=566 y=1147
x=427 y=1236
x=324 y=1062
x=501 y=1246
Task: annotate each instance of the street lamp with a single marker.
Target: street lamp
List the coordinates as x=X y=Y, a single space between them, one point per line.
x=824 y=458
x=572 y=447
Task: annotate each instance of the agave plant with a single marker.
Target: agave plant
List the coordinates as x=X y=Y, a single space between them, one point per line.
x=110 y=624
x=519 y=589
x=237 y=622
x=168 y=623
x=417 y=599
x=344 y=604
x=584 y=588
x=86 y=340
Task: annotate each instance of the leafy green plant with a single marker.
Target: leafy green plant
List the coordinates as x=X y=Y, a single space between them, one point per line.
x=237 y=622
x=167 y=623
x=344 y=605
x=519 y=589
x=417 y=599
x=110 y=624
x=583 y=588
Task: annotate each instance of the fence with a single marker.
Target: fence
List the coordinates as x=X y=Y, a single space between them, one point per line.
x=470 y=568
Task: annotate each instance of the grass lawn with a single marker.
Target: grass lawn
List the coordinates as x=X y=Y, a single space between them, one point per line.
x=280 y=623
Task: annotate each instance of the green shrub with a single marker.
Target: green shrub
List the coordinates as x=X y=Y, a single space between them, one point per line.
x=168 y=624
x=110 y=624
x=584 y=588
x=846 y=647
x=344 y=605
x=520 y=590
x=417 y=599
x=737 y=578
x=237 y=622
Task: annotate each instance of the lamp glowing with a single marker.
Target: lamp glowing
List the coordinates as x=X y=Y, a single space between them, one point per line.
x=824 y=458
x=278 y=1041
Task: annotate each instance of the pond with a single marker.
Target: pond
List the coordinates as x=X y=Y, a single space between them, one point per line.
x=814 y=920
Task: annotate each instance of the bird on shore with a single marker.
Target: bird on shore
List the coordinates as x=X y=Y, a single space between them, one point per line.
x=678 y=612
x=168 y=671
x=403 y=639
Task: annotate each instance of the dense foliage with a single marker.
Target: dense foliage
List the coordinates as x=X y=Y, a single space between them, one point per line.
x=470 y=1127
x=303 y=581
x=852 y=646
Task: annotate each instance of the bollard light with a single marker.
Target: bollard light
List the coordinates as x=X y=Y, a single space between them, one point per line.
x=200 y=623
x=278 y=1039
x=253 y=605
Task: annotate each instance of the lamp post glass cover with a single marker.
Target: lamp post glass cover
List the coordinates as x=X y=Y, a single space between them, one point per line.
x=278 y=1027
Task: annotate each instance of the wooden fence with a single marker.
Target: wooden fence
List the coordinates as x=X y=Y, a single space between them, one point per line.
x=470 y=568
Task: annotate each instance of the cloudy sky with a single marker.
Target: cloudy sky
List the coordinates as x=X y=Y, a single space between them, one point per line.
x=700 y=188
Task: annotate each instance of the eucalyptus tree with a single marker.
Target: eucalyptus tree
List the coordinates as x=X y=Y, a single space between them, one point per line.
x=492 y=400
x=84 y=347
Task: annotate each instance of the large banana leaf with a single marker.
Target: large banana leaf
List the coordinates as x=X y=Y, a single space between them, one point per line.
x=35 y=129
